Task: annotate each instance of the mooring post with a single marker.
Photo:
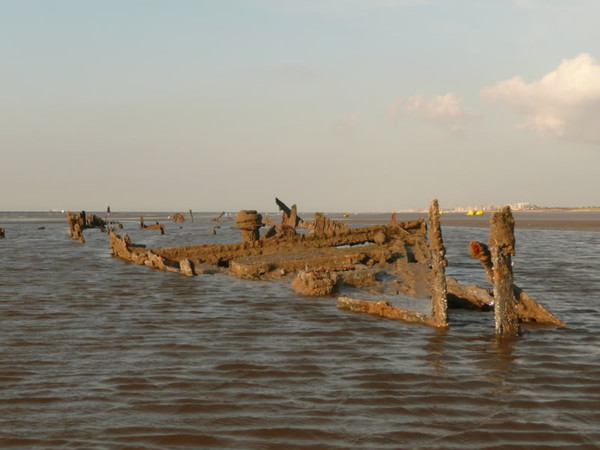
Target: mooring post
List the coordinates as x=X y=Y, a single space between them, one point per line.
x=502 y=247
x=439 y=300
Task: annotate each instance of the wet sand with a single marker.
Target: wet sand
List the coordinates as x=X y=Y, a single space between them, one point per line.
x=566 y=221
x=542 y=223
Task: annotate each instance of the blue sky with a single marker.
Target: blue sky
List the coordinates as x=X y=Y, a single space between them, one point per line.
x=335 y=105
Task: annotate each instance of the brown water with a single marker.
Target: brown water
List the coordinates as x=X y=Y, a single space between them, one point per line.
x=98 y=353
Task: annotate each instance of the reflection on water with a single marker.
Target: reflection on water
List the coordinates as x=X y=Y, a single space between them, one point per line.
x=99 y=353
x=434 y=349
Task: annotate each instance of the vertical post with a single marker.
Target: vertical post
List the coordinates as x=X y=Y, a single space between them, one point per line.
x=502 y=247
x=249 y=223
x=439 y=300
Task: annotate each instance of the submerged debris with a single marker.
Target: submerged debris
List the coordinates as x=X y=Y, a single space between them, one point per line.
x=315 y=283
x=384 y=309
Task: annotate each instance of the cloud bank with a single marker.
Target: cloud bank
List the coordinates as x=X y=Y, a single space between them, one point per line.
x=562 y=103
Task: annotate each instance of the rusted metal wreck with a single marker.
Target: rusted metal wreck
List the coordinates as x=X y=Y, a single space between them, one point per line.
x=78 y=222
x=334 y=259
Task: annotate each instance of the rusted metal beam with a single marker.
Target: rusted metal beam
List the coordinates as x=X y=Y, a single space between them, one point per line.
x=383 y=309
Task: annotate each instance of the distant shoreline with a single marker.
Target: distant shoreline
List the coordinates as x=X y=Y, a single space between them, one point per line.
x=558 y=209
x=572 y=220
x=580 y=219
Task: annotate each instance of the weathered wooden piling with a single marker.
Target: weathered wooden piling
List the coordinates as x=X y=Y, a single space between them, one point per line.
x=528 y=310
x=439 y=300
x=502 y=248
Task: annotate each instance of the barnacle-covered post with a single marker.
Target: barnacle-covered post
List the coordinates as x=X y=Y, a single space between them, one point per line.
x=439 y=300
x=502 y=247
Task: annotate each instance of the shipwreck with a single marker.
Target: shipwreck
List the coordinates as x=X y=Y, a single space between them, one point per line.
x=324 y=257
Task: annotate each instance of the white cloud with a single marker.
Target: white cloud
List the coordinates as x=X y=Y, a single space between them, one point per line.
x=558 y=104
x=444 y=109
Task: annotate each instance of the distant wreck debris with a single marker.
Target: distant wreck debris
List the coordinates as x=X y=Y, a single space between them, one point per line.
x=217 y=221
x=218 y=218
x=2 y=233
x=78 y=222
x=178 y=217
x=335 y=259
x=156 y=226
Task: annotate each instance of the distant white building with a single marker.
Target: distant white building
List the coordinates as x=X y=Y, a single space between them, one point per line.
x=520 y=206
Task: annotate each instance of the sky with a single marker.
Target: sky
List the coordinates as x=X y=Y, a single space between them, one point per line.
x=333 y=105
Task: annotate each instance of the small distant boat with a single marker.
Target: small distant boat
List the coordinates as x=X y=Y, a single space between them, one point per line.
x=346 y=214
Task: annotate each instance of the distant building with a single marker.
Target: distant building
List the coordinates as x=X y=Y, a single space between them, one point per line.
x=520 y=206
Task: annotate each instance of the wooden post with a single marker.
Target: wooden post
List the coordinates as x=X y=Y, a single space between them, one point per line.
x=502 y=247
x=439 y=300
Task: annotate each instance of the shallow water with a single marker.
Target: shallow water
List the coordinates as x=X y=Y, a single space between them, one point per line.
x=99 y=353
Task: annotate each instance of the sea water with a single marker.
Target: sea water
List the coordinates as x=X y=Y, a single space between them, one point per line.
x=99 y=353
